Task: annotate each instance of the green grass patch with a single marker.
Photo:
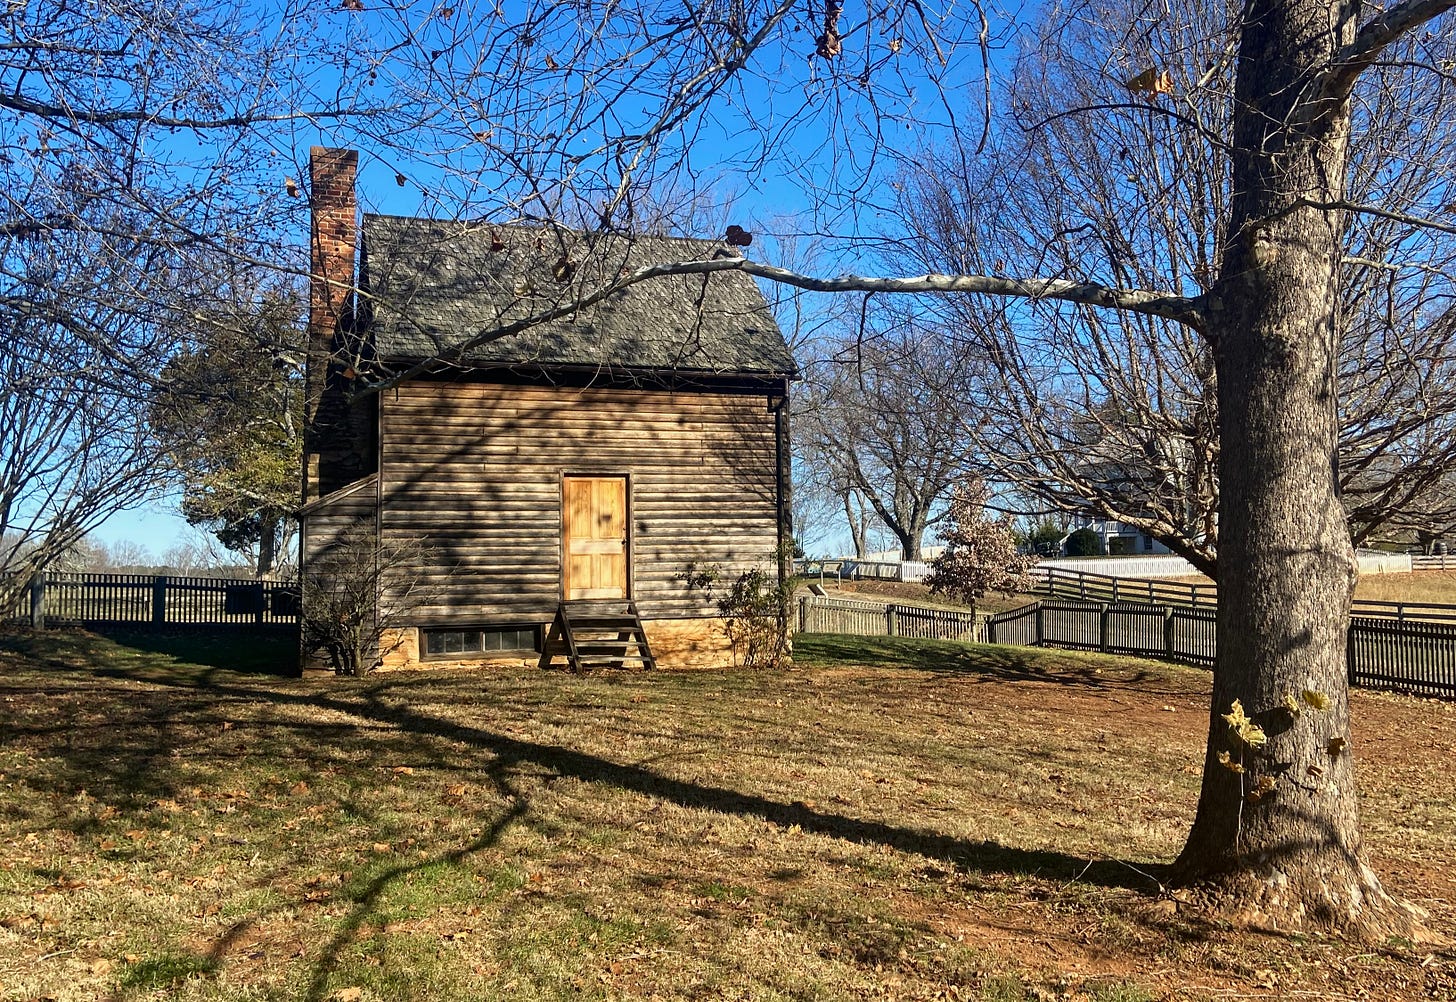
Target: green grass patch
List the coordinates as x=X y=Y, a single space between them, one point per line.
x=167 y=970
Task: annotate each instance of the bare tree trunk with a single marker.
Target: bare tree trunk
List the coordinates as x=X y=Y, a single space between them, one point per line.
x=1281 y=840
x=267 y=547
x=858 y=524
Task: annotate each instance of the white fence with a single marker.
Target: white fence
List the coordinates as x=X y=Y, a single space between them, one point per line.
x=1172 y=566
x=1169 y=566
x=1123 y=567
x=845 y=569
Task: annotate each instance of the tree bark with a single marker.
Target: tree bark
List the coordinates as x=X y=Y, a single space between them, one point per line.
x=1289 y=857
x=267 y=546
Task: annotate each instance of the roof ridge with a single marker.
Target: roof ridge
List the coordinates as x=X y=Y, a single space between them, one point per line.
x=468 y=225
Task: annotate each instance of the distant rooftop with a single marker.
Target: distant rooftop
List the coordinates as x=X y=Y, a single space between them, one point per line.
x=433 y=284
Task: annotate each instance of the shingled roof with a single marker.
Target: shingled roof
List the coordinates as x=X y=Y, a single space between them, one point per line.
x=430 y=284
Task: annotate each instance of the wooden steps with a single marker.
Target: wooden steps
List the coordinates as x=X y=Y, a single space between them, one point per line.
x=598 y=633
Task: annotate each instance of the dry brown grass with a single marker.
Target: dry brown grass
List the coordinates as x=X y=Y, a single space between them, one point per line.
x=917 y=594
x=891 y=819
x=1418 y=586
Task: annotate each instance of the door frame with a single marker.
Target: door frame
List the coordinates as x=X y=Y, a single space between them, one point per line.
x=629 y=541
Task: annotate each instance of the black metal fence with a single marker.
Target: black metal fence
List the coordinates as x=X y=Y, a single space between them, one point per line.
x=84 y=599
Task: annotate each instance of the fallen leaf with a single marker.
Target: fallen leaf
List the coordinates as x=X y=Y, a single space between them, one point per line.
x=353 y=993
x=381 y=846
x=403 y=770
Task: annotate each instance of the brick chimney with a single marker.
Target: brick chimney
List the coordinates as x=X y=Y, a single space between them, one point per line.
x=329 y=447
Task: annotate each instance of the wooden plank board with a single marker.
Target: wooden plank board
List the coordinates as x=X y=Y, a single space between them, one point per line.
x=477 y=471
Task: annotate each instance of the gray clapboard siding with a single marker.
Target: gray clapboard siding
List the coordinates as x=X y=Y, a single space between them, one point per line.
x=475 y=469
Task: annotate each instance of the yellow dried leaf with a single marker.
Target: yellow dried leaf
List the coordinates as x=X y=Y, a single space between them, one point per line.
x=1291 y=704
x=1318 y=700
x=1245 y=729
x=1228 y=763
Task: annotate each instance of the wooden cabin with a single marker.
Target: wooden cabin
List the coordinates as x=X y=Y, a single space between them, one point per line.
x=595 y=457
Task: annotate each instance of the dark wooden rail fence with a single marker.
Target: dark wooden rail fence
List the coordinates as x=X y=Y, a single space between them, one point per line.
x=1383 y=651
x=1420 y=657
x=1087 y=586
x=87 y=599
x=1175 y=634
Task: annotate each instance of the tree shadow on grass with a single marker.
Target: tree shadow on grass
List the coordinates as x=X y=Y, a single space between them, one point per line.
x=567 y=762
x=132 y=756
x=189 y=656
x=241 y=651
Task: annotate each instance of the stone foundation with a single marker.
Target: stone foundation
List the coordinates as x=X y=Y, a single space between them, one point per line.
x=676 y=643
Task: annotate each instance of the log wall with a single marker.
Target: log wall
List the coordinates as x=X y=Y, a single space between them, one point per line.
x=473 y=472
x=328 y=522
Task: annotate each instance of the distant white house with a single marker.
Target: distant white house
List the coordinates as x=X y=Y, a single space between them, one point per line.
x=1118 y=540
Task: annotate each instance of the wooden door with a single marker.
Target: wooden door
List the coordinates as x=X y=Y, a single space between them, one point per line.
x=594 y=544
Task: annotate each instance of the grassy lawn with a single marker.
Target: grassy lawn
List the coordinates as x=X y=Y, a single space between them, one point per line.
x=1419 y=586
x=891 y=819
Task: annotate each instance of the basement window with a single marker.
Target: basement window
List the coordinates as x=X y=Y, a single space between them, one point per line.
x=482 y=640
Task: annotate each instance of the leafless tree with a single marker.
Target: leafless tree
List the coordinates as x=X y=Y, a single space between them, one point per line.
x=1117 y=415
x=140 y=178
x=358 y=594
x=879 y=424
x=572 y=116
